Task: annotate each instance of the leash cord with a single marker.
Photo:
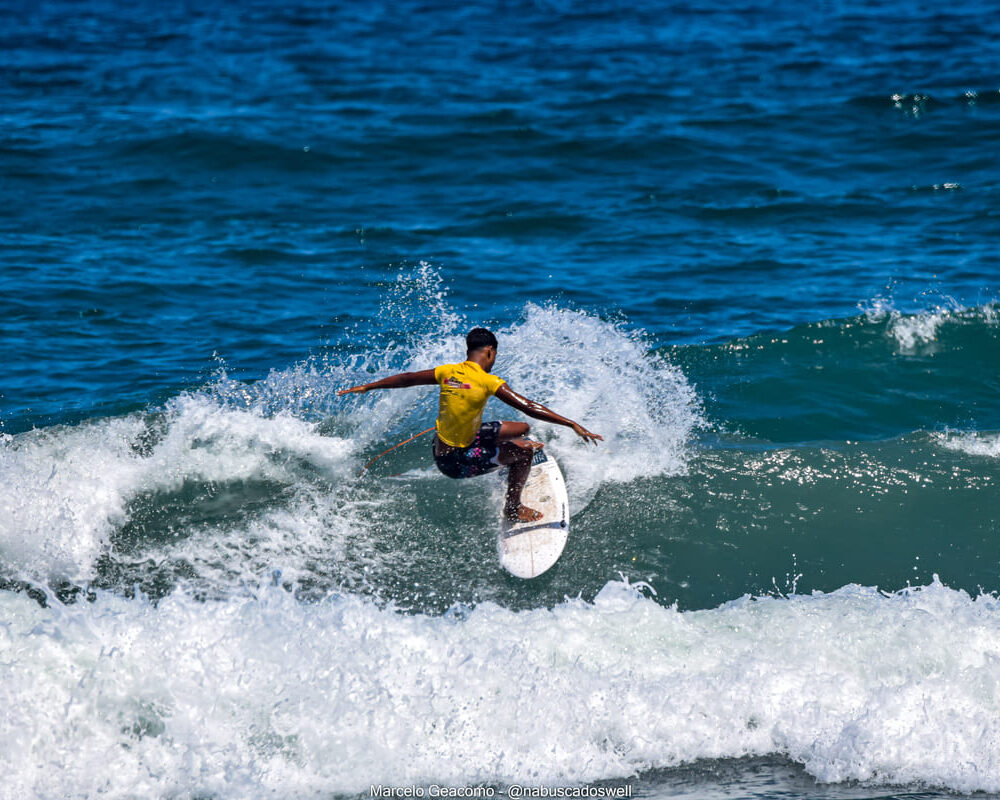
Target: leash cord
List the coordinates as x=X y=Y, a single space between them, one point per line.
x=405 y=441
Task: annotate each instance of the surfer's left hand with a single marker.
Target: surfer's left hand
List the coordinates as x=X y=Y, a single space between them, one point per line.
x=586 y=435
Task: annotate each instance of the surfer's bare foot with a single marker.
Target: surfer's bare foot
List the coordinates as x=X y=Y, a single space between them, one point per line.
x=523 y=514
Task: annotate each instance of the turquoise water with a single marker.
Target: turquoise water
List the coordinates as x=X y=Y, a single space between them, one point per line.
x=752 y=246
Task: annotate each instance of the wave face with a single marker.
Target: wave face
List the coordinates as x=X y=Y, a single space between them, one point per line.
x=220 y=485
x=877 y=375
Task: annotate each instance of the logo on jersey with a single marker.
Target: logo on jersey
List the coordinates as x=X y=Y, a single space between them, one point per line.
x=454 y=383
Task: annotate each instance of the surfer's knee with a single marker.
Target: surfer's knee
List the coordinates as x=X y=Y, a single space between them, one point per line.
x=513 y=430
x=526 y=449
x=515 y=451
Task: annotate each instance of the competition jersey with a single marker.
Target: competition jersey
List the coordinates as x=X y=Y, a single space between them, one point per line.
x=465 y=388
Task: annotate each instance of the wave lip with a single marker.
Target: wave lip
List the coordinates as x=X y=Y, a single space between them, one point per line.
x=973 y=443
x=70 y=487
x=606 y=378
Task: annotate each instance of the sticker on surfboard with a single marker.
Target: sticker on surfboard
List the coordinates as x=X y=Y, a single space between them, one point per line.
x=527 y=549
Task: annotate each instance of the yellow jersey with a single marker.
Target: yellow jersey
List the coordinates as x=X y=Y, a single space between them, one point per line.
x=465 y=388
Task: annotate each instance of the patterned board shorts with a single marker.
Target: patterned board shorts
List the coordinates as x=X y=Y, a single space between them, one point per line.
x=476 y=459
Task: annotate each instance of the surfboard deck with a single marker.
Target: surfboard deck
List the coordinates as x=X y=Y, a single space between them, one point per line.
x=527 y=549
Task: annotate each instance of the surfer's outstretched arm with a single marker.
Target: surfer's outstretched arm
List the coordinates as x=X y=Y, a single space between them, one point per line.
x=424 y=377
x=538 y=411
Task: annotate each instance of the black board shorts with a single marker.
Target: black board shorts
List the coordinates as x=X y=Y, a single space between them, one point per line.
x=478 y=458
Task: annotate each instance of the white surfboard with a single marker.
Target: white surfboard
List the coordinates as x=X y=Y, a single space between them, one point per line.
x=527 y=549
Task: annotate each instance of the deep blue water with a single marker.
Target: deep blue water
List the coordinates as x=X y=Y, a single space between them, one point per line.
x=243 y=180
x=753 y=244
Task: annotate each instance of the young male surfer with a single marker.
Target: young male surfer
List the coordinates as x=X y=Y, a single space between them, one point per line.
x=465 y=447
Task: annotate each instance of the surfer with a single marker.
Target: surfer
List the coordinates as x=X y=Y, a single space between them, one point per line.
x=464 y=446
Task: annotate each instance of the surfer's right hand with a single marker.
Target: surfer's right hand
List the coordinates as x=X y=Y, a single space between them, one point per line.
x=586 y=435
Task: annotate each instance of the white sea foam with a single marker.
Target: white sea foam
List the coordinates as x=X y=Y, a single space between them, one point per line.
x=972 y=443
x=66 y=488
x=919 y=331
x=909 y=330
x=265 y=696
x=319 y=534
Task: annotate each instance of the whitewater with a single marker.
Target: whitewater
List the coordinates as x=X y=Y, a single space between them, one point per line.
x=265 y=696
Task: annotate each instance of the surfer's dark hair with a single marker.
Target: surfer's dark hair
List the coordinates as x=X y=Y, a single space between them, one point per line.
x=478 y=338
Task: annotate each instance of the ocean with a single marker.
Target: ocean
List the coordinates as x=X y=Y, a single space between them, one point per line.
x=753 y=245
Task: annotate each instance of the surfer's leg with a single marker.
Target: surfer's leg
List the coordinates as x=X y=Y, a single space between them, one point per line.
x=512 y=430
x=517 y=455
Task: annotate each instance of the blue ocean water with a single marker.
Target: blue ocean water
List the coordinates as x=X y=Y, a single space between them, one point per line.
x=751 y=244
